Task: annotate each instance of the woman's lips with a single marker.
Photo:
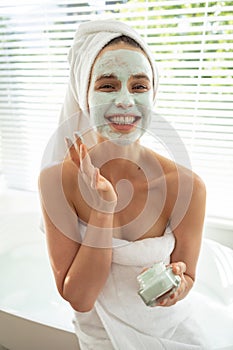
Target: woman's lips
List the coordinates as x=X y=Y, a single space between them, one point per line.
x=123 y=122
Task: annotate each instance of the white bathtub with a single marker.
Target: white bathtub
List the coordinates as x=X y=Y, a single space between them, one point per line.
x=32 y=313
x=33 y=316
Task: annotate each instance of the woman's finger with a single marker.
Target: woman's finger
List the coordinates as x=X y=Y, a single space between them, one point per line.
x=72 y=151
x=94 y=179
x=101 y=183
x=78 y=139
x=86 y=165
x=179 y=268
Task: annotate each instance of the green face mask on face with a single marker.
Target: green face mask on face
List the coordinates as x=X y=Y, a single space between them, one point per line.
x=120 y=95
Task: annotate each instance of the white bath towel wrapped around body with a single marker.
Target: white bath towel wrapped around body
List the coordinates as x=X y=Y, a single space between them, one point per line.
x=120 y=320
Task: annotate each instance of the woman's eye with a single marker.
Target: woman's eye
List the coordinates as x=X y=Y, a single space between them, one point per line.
x=140 y=87
x=106 y=86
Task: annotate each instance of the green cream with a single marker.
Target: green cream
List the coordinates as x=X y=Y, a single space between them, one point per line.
x=123 y=64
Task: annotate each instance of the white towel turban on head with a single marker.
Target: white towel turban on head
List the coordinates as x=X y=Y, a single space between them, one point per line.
x=89 y=39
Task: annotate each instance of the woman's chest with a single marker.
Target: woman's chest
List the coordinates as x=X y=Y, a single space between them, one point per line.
x=140 y=213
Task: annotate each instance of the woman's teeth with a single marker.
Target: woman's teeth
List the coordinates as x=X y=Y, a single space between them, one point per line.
x=122 y=119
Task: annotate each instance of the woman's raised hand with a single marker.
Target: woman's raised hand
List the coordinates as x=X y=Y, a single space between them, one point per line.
x=96 y=187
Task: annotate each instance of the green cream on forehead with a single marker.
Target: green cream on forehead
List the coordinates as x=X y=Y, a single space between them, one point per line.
x=122 y=63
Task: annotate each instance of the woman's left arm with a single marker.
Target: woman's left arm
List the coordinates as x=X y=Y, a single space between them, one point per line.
x=188 y=234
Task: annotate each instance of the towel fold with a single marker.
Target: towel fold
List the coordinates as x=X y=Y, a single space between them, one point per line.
x=144 y=253
x=121 y=320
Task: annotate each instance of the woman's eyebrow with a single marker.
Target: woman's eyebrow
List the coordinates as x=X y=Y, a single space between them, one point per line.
x=113 y=76
x=106 y=76
x=141 y=76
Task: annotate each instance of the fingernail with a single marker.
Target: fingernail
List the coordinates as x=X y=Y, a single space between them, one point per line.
x=177 y=269
x=78 y=135
x=68 y=142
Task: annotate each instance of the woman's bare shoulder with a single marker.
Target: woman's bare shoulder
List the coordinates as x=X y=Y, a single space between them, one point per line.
x=178 y=175
x=64 y=173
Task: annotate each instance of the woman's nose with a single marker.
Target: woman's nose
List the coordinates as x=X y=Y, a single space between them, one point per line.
x=124 y=99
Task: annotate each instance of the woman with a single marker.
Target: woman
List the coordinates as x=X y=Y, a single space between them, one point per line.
x=114 y=207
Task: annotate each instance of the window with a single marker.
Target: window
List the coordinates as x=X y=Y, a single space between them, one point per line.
x=192 y=42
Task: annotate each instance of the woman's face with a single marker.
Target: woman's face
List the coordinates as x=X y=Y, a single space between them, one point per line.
x=120 y=95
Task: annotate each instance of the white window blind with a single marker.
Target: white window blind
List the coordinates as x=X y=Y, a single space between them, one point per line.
x=192 y=43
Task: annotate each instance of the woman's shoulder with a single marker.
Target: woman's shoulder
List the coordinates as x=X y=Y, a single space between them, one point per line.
x=177 y=174
x=64 y=173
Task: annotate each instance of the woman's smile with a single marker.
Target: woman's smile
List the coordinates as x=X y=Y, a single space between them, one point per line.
x=123 y=122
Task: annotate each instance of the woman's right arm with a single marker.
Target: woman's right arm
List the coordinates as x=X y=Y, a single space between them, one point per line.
x=80 y=270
